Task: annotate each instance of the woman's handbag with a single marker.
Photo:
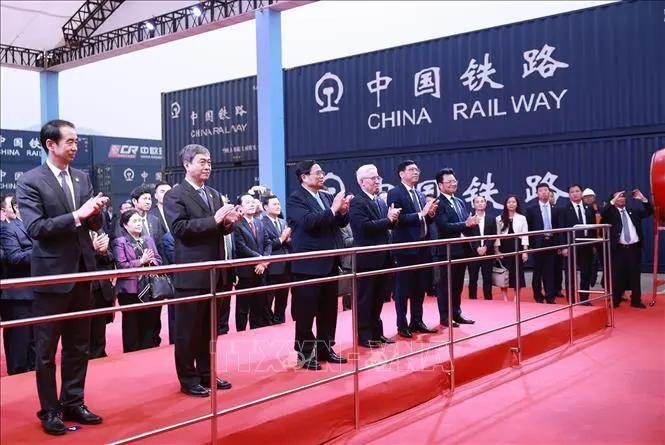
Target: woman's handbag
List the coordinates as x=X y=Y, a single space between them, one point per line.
x=155 y=287
x=500 y=276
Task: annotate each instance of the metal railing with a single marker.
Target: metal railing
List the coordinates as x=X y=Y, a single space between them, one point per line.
x=212 y=266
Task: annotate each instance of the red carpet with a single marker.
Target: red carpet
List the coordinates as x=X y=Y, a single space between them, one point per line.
x=138 y=391
x=606 y=389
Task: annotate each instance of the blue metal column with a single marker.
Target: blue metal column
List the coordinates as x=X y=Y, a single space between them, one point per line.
x=48 y=94
x=270 y=99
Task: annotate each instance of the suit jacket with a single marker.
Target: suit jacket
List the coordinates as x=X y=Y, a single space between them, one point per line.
x=490 y=229
x=125 y=258
x=156 y=229
x=408 y=225
x=612 y=216
x=248 y=246
x=568 y=218
x=17 y=247
x=313 y=229
x=278 y=247
x=160 y=221
x=534 y=219
x=59 y=247
x=449 y=225
x=371 y=227
x=197 y=236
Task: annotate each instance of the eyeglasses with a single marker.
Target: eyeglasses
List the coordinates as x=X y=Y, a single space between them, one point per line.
x=450 y=181
x=374 y=178
x=413 y=169
x=317 y=173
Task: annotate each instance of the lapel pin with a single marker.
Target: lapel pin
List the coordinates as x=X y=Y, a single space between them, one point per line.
x=76 y=179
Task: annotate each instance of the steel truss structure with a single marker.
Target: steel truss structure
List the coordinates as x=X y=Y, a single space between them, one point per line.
x=88 y=19
x=203 y=16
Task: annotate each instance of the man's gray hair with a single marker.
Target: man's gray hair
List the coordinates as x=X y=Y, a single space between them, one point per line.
x=363 y=170
x=188 y=152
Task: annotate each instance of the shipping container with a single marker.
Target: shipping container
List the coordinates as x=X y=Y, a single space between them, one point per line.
x=229 y=181
x=221 y=117
x=597 y=70
x=604 y=165
x=20 y=147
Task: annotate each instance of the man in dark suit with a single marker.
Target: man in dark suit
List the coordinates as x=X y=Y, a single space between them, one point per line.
x=251 y=241
x=543 y=216
x=486 y=226
x=59 y=209
x=102 y=291
x=315 y=219
x=224 y=304
x=626 y=241
x=577 y=212
x=17 y=303
x=411 y=226
x=198 y=220
x=452 y=221
x=371 y=221
x=279 y=235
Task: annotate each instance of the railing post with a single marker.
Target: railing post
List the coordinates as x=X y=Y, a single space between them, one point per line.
x=571 y=285
x=518 y=316
x=213 y=354
x=356 y=358
x=451 y=337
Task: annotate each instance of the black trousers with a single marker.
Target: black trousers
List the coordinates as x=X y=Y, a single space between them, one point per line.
x=372 y=292
x=252 y=307
x=138 y=327
x=545 y=274
x=75 y=336
x=19 y=342
x=192 y=339
x=484 y=269
x=224 y=312
x=584 y=256
x=316 y=301
x=626 y=262
x=456 y=285
x=280 y=297
x=411 y=285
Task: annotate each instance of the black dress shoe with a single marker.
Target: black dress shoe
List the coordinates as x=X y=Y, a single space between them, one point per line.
x=331 y=357
x=81 y=414
x=221 y=384
x=195 y=390
x=462 y=320
x=386 y=340
x=638 y=305
x=404 y=332
x=308 y=363
x=444 y=323
x=371 y=344
x=52 y=423
x=420 y=327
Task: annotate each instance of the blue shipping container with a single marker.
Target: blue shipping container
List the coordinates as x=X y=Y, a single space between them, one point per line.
x=599 y=69
x=603 y=165
x=221 y=117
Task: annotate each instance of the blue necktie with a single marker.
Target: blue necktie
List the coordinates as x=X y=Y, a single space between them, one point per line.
x=204 y=197
x=318 y=199
x=547 y=223
x=625 y=229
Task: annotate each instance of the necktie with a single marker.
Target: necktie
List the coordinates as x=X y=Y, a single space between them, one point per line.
x=277 y=226
x=145 y=226
x=318 y=199
x=547 y=223
x=251 y=226
x=456 y=207
x=228 y=247
x=65 y=188
x=626 y=229
x=204 y=196
x=580 y=216
x=378 y=205
x=416 y=203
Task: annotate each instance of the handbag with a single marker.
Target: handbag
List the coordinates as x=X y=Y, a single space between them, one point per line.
x=155 y=287
x=500 y=276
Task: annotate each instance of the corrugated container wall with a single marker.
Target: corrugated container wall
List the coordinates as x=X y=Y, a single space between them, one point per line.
x=229 y=181
x=599 y=70
x=603 y=164
x=221 y=117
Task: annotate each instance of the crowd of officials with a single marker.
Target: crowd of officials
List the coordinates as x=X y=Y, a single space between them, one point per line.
x=56 y=224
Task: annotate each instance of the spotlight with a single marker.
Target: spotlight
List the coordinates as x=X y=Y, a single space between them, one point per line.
x=149 y=26
x=196 y=11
